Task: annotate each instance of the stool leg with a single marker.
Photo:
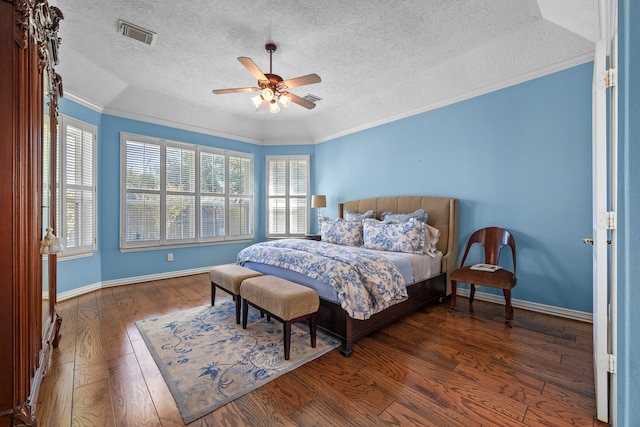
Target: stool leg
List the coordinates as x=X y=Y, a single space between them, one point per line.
x=245 y=311
x=312 y=330
x=287 y=339
x=238 y=299
x=213 y=294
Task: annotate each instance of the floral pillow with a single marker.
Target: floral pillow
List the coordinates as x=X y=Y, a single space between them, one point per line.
x=340 y=232
x=405 y=236
x=419 y=214
x=356 y=216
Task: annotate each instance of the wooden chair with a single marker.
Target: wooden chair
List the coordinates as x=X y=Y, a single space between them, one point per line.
x=493 y=239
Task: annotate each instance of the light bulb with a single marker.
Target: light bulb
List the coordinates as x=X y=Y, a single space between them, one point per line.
x=267 y=94
x=273 y=106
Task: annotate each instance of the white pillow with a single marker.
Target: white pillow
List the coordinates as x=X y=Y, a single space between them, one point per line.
x=357 y=216
x=419 y=214
x=405 y=236
x=431 y=237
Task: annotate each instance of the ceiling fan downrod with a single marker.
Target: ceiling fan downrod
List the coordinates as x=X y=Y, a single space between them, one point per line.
x=270 y=47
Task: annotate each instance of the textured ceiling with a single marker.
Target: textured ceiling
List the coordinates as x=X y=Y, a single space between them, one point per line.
x=379 y=60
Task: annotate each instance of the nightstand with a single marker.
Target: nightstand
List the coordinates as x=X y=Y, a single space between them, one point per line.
x=313 y=236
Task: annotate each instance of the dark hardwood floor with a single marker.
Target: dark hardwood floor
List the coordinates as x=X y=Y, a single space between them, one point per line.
x=465 y=368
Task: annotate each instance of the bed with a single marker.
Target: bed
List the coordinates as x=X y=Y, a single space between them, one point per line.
x=347 y=322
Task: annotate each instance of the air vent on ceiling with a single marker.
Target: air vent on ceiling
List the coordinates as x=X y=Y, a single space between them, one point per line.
x=135 y=32
x=312 y=98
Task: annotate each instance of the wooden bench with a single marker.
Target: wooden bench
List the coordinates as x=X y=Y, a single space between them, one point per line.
x=228 y=277
x=283 y=300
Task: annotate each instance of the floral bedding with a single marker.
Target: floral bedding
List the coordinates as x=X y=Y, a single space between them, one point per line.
x=366 y=283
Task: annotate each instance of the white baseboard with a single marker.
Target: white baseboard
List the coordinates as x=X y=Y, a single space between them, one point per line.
x=129 y=281
x=498 y=299
x=532 y=306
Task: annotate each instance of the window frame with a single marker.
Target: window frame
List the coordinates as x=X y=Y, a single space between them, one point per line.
x=62 y=186
x=198 y=239
x=288 y=197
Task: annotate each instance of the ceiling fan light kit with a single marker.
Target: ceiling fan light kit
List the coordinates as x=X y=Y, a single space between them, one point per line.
x=273 y=87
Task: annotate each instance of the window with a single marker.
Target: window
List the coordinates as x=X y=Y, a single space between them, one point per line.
x=287 y=195
x=76 y=202
x=176 y=193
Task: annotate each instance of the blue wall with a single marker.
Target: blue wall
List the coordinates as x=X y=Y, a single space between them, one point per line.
x=519 y=158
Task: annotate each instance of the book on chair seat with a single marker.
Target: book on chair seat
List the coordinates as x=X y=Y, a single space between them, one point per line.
x=485 y=267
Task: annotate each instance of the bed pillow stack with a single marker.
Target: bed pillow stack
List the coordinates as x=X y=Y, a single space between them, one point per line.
x=397 y=232
x=431 y=234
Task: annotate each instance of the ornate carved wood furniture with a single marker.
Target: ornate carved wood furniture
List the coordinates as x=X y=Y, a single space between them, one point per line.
x=29 y=91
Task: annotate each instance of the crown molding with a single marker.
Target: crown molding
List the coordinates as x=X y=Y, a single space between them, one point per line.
x=561 y=66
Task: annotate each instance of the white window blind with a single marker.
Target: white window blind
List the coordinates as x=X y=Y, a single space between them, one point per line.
x=287 y=195
x=76 y=208
x=175 y=193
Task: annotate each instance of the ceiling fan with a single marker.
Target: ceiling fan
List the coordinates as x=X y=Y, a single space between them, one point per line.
x=273 y=87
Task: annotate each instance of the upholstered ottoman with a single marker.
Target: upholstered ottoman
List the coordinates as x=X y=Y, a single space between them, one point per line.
x=228 y=277
x=285 y=301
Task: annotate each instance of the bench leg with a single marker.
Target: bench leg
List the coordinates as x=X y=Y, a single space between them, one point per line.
x=245 y=311
x=312 y=329
x=286 y=328
x=213 y=294
x=238 y=299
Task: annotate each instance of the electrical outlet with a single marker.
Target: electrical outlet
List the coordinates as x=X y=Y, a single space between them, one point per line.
x=169 y=257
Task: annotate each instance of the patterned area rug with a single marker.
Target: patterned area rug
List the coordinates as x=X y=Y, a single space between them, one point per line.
x=207 y=360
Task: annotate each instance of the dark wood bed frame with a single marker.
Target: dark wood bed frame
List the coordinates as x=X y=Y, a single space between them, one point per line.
x=336 y=322
x=443 y=213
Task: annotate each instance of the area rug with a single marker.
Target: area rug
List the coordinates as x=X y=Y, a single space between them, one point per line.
x=207 y=360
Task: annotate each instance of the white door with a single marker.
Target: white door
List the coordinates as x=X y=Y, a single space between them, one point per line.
x=604 y=207
x=600 y=236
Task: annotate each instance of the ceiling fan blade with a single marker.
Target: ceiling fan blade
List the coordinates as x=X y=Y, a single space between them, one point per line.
x=301 y=81
x=301 y=101
x=235 y=90
x=252 y=67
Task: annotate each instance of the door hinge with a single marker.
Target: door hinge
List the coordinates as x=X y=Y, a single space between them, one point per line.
x=612 y=364
x=612 y=221
x=608 y=78
x=611 y=77
x=608 y=221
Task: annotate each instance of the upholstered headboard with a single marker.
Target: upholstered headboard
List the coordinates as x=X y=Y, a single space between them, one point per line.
x=443 y=213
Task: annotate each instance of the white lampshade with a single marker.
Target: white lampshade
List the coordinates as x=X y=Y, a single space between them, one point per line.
x=319 y=201
x=273 y=106
x=284 y=99
x=257 y=100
